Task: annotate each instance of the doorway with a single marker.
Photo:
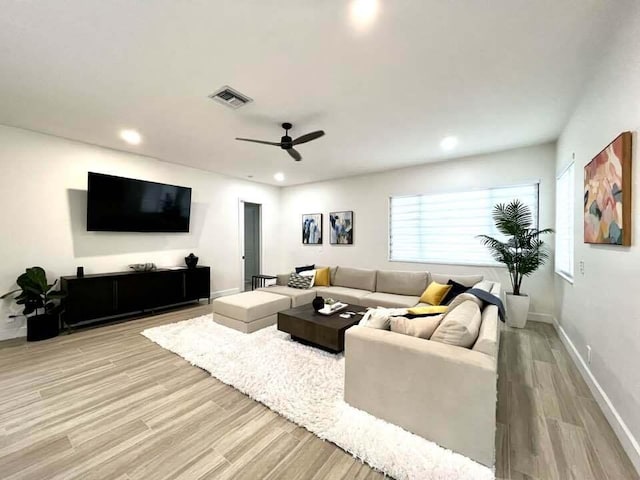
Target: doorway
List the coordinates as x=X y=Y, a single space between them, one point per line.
x=251 y=253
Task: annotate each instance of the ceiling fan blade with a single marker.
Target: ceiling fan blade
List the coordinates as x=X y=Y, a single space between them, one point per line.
x=275 y=144
x=294 y=154
x=308 y=137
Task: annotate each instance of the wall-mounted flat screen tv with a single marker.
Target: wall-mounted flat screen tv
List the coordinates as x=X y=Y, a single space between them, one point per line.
x=117 y=204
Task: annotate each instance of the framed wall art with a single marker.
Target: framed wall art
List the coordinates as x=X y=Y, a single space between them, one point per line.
x=607 y=194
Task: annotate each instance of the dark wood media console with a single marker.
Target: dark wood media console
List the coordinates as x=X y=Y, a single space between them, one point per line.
x=96 y=297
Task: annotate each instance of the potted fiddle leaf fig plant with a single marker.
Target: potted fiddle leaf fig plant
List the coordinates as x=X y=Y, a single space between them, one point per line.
x=521 y=250
x=40 y=301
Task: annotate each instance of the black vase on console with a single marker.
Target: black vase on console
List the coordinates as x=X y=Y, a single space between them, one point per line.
x=191 y=261
x=318 y=303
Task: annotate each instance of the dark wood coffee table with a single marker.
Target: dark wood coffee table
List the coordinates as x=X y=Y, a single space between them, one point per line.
x=321 y=331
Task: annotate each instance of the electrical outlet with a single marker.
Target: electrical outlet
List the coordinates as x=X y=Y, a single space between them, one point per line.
x=589 y=354
x=581 y=266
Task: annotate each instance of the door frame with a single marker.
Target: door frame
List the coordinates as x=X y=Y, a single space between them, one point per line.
x=241 y=202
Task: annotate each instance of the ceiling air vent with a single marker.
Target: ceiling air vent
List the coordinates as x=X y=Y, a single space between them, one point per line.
x=230 y=97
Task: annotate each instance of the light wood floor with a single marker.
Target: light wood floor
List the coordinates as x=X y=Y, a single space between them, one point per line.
x=107 y=403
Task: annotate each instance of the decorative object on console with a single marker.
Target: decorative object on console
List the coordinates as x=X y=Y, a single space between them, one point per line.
x=312 y=229
x=607 y=194
x=143 y=267
x=191 y=261
x=318 y=303
x=341 y=232
x=523 y=253
x=41 y=306
x=80 y=272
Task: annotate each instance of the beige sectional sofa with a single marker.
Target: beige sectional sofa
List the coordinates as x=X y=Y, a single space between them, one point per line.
x=441 y=392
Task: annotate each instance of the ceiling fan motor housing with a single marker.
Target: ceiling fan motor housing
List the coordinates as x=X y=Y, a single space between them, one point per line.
x=286 y=142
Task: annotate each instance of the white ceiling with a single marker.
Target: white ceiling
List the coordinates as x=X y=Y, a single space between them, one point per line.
x=497 y=74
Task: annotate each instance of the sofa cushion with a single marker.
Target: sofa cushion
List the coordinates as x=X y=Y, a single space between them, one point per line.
x=299 y=281
x=348 y=295
x=401 y=283
x=485 y=285
x=466 y=280
x=463 y=297
x=434 y=293
x=305 y=268
x=323 y=277
x=488 y=335
x=459 y=326
x=298 y=296
x=250 y=306
x=379 y=299
x=359 y=278
x=456 y=289
x=417 y=327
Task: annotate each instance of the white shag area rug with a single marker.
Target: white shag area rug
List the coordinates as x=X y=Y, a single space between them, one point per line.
x=305 y=385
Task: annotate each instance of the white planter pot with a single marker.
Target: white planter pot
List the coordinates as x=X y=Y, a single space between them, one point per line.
x=517 y=310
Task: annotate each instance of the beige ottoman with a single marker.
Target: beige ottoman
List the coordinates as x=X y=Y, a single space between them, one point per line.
x=249 y=311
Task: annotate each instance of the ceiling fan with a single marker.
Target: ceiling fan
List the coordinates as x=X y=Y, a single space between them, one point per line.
x=287 y=143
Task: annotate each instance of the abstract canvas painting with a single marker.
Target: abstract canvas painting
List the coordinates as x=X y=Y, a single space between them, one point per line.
x=312 y=229
x=607 y=194
x=341 y=224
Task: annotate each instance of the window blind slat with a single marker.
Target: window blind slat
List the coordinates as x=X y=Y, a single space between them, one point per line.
x=443 y=228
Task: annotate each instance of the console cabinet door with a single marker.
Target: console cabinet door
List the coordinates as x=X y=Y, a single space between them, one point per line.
x=89 y=298
x=197 y=283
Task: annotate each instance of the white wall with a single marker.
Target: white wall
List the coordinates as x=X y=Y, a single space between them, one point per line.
x=43 y=184
x=368 y=196
x=602 y=307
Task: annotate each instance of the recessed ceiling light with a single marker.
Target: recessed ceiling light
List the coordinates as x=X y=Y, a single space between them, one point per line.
x=279 y=177
x=363 y=12
x=131 y=137
x=449 y=143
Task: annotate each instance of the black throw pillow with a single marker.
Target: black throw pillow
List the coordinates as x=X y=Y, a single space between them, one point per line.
x=456 y=289
x=304 y=268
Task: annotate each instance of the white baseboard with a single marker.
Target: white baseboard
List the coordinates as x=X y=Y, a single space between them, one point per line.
x=224 y=293
x=628 y=441
x=540 y=317
x=9 y=333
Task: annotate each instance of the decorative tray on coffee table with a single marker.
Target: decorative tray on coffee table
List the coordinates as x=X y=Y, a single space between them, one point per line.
x=333 y=308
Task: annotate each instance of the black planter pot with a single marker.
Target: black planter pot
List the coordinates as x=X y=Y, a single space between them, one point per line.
x=42 y=327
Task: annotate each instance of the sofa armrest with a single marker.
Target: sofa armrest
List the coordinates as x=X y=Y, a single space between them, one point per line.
x=443 y=393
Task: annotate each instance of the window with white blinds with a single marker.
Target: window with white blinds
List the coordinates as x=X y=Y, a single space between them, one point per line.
x=565 y=189
x=443 y=228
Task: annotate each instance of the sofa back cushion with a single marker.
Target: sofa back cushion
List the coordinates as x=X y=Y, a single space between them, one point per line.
x=359 y=278
x=489 y=333
x=459 y=326
x=422 y=327
x=401 y=283
x=466 y=280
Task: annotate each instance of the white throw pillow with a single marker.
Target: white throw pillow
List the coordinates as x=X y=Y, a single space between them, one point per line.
x=421 y=327
x=485 y=285
x=309 y=273
x=459 y=326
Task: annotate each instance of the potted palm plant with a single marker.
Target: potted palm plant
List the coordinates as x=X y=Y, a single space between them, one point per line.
x=522 y=251
x=41 y=305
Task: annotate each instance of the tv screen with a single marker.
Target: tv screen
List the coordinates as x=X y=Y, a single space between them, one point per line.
x=117 y=204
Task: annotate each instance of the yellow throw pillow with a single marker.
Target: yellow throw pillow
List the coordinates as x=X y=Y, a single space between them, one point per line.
x=427 y=310
x=434 y=293
x=322 y=277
